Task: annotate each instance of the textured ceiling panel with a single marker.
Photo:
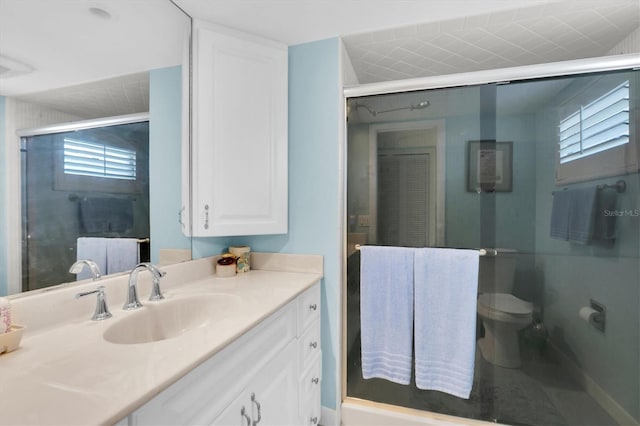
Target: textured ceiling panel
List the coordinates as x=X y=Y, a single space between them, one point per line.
x=106 y=98
x=543 y=33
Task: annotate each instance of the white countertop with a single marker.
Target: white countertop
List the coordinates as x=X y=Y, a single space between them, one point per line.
x=67 y=373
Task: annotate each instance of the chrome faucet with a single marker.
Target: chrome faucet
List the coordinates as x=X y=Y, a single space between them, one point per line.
x=79 y=265
x=132 y=293
x=102 y=310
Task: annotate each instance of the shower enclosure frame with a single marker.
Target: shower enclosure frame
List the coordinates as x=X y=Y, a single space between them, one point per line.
x=354 y=410
x=14 y=182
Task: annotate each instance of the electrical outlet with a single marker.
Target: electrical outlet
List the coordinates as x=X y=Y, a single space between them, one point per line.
x=363 y=220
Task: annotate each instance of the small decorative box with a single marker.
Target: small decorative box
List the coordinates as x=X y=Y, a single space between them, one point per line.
x=10 y=340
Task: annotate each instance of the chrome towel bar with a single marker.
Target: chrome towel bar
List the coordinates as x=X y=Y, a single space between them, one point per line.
x=483 y=251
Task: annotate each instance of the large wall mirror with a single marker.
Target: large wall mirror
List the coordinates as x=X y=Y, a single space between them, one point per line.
x=93 y=109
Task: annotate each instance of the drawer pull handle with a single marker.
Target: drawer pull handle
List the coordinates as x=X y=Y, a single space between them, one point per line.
x=315 y=380
x=313 y=307
x=243 y=413
x=314 y=420
x=313 y=345
x=253 y=400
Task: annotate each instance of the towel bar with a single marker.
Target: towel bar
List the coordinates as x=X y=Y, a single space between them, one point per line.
x=620 y=187
x=483 y=252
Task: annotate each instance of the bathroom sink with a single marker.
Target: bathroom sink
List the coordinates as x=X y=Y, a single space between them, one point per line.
x=166 y=319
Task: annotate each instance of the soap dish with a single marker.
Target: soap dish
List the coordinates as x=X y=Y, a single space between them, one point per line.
x=10 y=340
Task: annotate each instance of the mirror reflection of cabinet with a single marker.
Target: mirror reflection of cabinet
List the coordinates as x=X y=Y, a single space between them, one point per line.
x=239 y=133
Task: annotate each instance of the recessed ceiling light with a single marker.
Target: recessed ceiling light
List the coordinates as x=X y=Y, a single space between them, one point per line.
x=100 y=13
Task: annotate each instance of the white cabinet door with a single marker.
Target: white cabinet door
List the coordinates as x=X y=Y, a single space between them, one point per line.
x=204 y=393
x=239 y=134
x=271 y=398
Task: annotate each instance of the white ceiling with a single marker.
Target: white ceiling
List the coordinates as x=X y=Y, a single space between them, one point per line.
x=300 y=21
x=65 y=45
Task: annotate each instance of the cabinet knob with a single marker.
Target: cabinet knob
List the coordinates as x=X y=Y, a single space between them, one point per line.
x=206 y=216
x=315 y=380
x=313 y=345
x=313 y=307
x=243 y=414
x=314 y=420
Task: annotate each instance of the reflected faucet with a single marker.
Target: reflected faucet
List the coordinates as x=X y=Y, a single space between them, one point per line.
x=132 y=293
x=79 y=265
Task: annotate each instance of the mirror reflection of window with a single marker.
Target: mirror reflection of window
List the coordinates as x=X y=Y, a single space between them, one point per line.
x=91 y=183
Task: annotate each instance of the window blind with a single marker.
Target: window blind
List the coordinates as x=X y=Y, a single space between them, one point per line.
x=98 y=160
x=601 y=125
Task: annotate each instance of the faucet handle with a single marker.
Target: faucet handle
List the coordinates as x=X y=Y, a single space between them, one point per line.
x=102 y=310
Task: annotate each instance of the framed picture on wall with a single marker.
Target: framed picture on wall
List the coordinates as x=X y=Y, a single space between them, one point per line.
x=489 y=166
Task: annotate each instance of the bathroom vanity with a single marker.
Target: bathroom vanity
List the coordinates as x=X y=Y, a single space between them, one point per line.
x=241 y=350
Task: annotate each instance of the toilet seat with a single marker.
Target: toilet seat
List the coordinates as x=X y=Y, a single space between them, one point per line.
x=503 y=305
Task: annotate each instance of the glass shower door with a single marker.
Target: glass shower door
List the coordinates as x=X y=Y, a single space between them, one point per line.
x=543 y=175
x=84 y=183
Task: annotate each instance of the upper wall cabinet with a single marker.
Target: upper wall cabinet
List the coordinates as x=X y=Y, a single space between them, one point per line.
x=239 y=133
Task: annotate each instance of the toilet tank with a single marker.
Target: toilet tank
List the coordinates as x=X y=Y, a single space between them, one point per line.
x=496 y=274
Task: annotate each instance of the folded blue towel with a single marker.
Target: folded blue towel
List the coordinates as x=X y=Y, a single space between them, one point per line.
x=604 y=227
x=122 y=254
x=582 y=214
x=574 y=216
x=560 y=215
x=446 y=286
x=386 y=312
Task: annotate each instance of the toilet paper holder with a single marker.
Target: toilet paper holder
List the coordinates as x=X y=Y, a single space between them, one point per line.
x=598 y=318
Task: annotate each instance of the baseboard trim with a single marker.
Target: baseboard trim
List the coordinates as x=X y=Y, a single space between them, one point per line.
x=610 y=405
x=328 y=416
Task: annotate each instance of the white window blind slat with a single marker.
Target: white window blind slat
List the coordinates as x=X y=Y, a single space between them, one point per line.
x=602 y=124
x=98 y=160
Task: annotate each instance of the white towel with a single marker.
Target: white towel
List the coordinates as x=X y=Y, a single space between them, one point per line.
x=91 y=248
x=386 y=312
x=122 y=254
x=446 y=286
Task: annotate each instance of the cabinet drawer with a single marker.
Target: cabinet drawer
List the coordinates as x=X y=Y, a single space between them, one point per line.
x=309 y=388
x=309 y=345
x=311 y=379
x=308 y=307
x=269 y=399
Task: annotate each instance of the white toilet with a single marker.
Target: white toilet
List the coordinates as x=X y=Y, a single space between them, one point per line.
x=502 y=314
